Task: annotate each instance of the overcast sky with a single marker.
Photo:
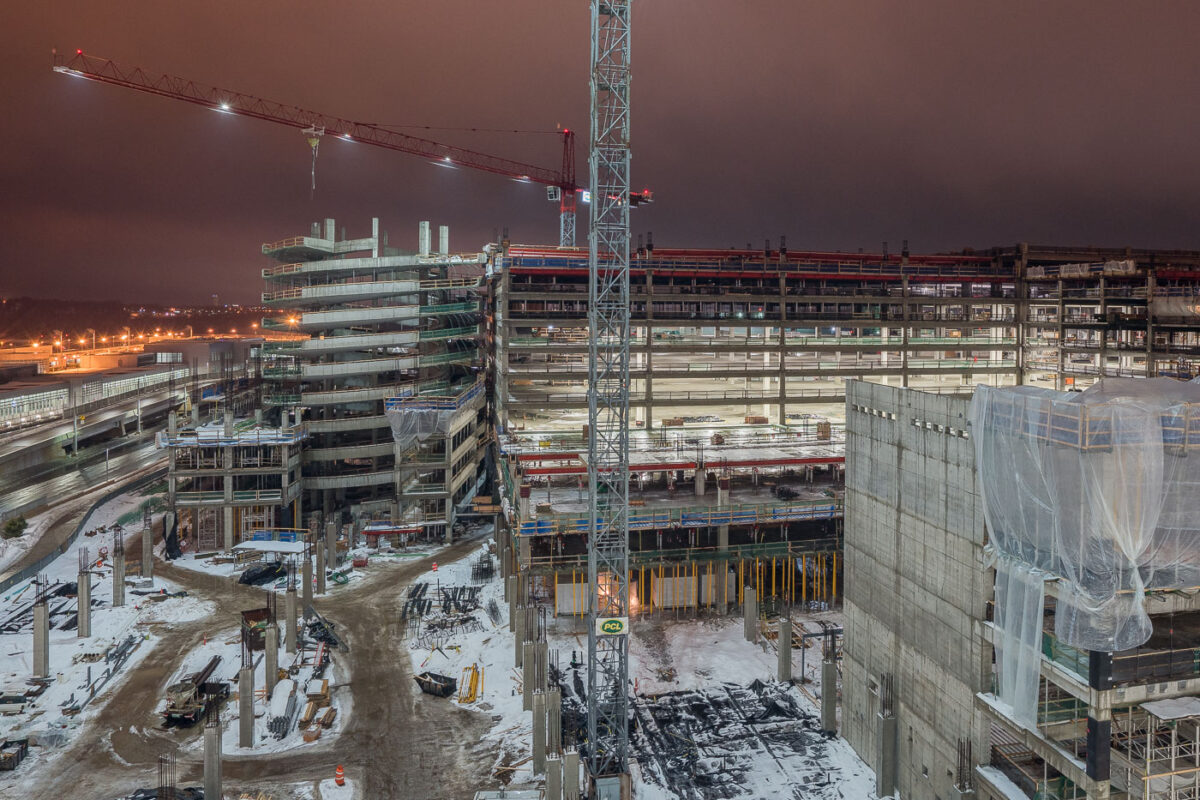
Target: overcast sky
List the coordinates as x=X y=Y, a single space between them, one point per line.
x=841 y=124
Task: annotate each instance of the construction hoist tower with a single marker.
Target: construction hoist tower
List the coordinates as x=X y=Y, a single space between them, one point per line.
x=608 y=404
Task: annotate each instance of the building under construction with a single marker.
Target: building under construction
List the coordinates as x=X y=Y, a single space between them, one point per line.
x=383 y=326
x=1020 y=604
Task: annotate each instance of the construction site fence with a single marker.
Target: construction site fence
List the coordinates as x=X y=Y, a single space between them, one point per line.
x=12 y=579
x=789 y=580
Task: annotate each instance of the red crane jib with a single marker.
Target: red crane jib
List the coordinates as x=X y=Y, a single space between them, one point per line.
x=230 y=102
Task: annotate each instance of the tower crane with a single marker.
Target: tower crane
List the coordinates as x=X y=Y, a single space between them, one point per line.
x=559 y=182
x=608 y=403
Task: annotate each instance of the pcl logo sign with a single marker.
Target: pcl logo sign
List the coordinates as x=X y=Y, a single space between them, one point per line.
x=612 y=626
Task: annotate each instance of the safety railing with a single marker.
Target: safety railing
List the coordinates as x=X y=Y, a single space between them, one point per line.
x=693 y=517
x=291 y=241
x=788 y=549
x=282 y=269
x=449 y=333
x=239 y=496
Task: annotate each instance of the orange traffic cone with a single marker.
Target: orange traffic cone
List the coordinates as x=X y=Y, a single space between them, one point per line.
x=339 y=776
x=435 y=566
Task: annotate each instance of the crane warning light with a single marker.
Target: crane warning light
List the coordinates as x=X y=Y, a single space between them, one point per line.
x=78 y=52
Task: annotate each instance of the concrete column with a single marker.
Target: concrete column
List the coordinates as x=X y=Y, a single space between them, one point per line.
x=750 y=614
x=554 y=720
x=700 y=478
x=784 y=671
x=271 y=657
x=722 y=492
x=829 y=696
x=212 y=760
x=246 y=707
x=320 y=570
x=518 y=626
x=554 y=777
x=41 y=640
x=331 y=533
x=423 y=238
x=571 y=775
x=289 y=614
x=84 y=604
x=885 y=764
x=539 y=732
x=227 y=508
x=118 y=579
x=542 y=678
x=528 y=674
x=510 y=594
x=523 y=499
x=306 y=588
x=722 y=537
x=147 y=553
x=526 y=554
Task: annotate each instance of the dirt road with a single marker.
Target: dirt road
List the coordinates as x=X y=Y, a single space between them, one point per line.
x=398 y=743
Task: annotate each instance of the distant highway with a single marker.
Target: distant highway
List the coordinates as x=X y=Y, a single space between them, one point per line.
x=65 y=477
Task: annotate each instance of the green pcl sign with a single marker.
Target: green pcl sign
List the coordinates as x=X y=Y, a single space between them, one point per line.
x=612 y=626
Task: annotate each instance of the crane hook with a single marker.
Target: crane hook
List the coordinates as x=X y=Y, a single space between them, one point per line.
x=313 y=135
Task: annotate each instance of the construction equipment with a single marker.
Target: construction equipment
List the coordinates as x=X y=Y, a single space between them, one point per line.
x=435 y=684
x=189 y=699
x=608 y=401
x=470 y=686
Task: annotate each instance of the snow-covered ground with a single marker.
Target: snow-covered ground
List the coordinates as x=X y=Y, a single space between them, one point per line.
x=72 y=659
x=210 y=564
x=13 y=549
x=709 y=657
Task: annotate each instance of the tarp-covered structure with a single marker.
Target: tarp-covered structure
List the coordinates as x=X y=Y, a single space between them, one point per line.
x=415 y=418
x=413 y=424
x=1099 y=489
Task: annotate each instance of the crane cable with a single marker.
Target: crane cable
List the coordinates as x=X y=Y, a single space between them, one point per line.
x=313 y=135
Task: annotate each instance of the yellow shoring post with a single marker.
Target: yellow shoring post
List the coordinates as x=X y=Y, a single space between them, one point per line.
x=788 y=579
x=554 y=592
x=741 y=575
x=824 y=576
x=773 y=593
x=804 y=579
x=695 y=587
x=661 y=576
x=834 y=579
x=712 y=587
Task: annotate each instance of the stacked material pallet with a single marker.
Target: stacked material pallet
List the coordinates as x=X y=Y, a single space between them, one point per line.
x=283 y=709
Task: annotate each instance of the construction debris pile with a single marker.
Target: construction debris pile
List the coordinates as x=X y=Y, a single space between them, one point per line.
x=720 y=741
x=431 y=630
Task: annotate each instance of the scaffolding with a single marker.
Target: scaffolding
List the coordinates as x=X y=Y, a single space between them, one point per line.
x=1156 y=749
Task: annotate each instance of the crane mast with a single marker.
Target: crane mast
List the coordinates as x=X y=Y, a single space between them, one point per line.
x=608 y=402
x=316 y=125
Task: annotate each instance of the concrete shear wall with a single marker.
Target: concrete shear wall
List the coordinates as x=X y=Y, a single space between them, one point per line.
x=915 y=585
